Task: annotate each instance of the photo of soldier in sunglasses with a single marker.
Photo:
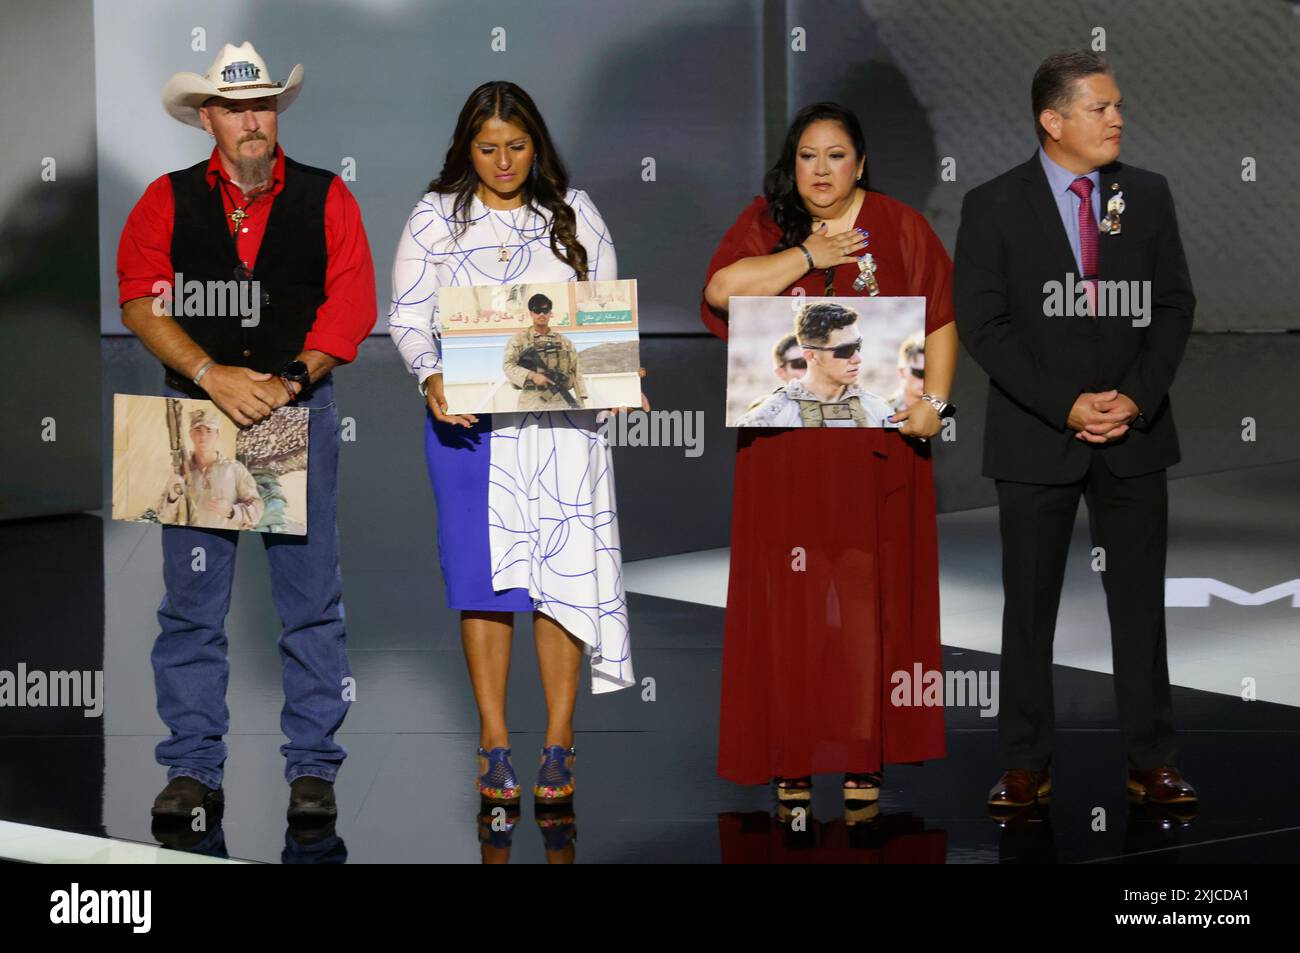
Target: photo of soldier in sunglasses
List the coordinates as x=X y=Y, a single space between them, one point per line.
x=827 y=394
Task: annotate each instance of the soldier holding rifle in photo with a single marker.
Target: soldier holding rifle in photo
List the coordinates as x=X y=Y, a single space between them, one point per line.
x=544 y=363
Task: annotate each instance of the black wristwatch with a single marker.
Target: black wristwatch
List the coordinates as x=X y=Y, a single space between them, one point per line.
x=296 y=372
x=944 y=408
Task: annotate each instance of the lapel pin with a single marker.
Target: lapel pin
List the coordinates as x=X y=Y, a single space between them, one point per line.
x=1110 y=225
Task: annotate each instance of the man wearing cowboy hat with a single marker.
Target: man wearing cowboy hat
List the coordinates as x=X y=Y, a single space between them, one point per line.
x=291 y=238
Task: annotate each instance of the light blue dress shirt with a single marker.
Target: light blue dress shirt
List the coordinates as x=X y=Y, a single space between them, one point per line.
x=1067 y=203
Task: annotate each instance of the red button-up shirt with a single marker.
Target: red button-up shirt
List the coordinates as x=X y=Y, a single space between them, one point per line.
x=348 y=313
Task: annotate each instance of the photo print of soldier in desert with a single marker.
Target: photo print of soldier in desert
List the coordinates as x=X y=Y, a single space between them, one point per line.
x=183 y=462
x=542 y=346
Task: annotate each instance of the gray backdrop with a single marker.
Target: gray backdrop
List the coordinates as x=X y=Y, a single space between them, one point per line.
x=49 y=282
x=705 y=89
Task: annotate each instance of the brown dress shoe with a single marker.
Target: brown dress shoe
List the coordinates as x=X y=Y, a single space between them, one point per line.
x=1160 y=785
x=1020 y=787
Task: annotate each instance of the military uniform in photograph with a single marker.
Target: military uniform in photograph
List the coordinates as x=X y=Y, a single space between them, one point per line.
x=224 y=480
x=558 y=354
x=795 y=406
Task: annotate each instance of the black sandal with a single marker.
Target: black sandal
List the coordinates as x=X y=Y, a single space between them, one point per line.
x=794 y=790
x=863 y=787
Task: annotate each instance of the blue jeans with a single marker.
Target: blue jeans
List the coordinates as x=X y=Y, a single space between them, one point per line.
x=190 y=663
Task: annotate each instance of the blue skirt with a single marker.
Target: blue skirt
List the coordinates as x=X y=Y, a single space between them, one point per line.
x=459 y=459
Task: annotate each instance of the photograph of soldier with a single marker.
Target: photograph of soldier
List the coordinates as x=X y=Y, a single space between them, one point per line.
x=788 y=364
x=210 y=490
x=911 y=373
x=182 y=462
x=543 y=363
x=789 y=359
x=827 y=394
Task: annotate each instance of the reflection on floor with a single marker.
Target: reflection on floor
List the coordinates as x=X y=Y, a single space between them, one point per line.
x=647 y=789
x=1235 y=535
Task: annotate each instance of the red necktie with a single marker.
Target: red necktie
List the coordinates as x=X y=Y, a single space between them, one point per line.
x=1082 y=187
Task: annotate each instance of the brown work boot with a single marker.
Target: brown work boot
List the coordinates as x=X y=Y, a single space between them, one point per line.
x=311 y=799
x=182 y=795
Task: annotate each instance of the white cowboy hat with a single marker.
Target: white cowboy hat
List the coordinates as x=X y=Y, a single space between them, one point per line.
x=237 y=73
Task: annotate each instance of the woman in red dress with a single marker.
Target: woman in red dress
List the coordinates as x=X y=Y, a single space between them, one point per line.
x=834 y=560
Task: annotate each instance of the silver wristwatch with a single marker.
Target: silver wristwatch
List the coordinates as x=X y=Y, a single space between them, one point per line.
x=943 y=408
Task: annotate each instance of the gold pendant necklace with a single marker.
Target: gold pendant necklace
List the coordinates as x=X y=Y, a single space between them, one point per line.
x=239 y=214
x=503 y=254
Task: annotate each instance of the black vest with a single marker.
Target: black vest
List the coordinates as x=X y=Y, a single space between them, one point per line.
x=290 y=269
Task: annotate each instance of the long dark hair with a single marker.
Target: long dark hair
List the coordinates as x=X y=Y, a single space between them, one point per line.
x=547 y=182
x=783 y=201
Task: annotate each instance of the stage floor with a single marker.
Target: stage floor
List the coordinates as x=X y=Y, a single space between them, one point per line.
x=647 y=790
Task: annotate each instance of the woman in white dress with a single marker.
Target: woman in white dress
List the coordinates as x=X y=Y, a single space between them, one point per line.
x=526 y=514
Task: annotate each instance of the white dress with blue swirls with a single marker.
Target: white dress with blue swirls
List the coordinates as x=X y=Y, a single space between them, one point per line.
x=552 y=519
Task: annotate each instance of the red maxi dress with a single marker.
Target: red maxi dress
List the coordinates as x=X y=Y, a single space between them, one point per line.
x=808 y=655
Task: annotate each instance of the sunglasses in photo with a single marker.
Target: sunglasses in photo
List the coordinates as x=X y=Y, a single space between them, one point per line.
x=842 y=352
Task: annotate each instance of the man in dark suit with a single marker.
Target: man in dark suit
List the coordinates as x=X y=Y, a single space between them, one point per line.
x=1047 y=253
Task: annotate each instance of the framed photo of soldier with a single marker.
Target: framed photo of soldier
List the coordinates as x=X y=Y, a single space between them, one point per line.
x=183 y=462
x=800 y=361
x=567 y=345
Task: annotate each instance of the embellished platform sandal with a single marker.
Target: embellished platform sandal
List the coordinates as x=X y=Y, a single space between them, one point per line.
x=496 y=825
x=498 y=782
x=559 y=829
x=555 y=776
